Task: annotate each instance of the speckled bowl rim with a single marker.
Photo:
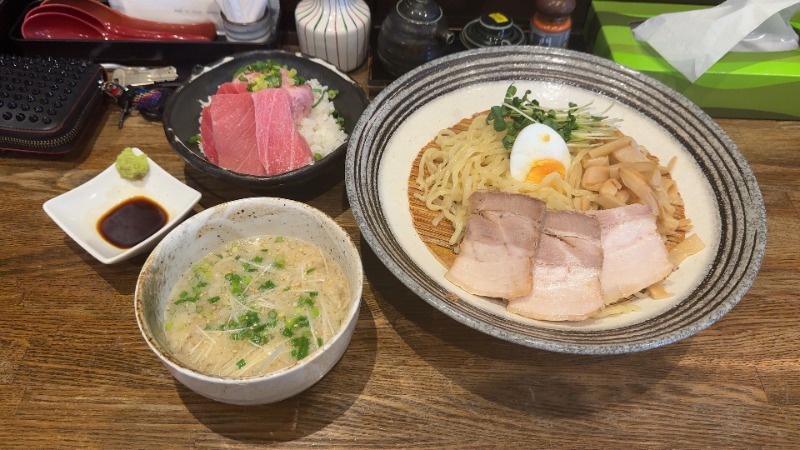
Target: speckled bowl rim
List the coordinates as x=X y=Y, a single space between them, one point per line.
x=185 y=371
x=742 y=207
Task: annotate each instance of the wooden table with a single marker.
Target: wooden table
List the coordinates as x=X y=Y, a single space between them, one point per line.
x=75 y=371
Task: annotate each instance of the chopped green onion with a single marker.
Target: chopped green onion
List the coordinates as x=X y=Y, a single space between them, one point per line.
x=269 y=284
x=301 y=345
x=304 y=300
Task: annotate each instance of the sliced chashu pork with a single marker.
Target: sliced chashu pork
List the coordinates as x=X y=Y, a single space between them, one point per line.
x=634 y=253
x=499 y=244
x=566 y=270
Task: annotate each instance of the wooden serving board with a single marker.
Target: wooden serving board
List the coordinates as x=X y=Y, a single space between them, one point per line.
x=436 y=238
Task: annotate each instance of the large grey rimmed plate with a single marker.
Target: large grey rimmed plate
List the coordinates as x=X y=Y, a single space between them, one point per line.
x=721 y=194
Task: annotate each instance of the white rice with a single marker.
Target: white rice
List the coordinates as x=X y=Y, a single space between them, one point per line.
x=319 y=128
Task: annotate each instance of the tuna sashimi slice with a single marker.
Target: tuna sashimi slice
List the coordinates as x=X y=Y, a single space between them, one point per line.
x=207 y=136
x=233 y=87
x=281 y=147
x=300 y=100
x=634 y=253
x=301 y=97
x=499 y=244
x=566 y=271
x=234 y=128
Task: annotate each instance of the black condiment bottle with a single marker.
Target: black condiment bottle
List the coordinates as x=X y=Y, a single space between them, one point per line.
x=552 y=22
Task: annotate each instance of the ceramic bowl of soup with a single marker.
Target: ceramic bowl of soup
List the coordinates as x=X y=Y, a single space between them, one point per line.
x=251 y=301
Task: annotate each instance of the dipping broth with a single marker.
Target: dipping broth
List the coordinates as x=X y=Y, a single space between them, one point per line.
x=255 y=306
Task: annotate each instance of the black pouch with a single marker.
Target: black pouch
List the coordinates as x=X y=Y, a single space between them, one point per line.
x=47 y=104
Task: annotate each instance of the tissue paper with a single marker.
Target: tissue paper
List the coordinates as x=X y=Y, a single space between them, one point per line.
x=170 y=11
x=753 y=85
x=693 y=41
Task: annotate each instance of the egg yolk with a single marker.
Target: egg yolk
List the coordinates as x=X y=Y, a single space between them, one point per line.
x=544 y=167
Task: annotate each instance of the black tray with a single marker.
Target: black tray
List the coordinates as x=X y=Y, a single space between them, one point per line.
x=132 y=53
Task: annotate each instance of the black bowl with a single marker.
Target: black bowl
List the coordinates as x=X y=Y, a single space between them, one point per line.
x=182 y=115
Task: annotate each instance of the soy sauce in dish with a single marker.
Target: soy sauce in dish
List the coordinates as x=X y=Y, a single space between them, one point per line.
x=132 y=221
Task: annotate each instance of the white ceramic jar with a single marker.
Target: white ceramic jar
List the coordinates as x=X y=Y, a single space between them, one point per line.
x=334 y=30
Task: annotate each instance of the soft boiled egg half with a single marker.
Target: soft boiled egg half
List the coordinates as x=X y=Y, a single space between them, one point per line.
x=537 y=152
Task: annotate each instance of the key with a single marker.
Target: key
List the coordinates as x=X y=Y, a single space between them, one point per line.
x=143 y=76
x=126 y=108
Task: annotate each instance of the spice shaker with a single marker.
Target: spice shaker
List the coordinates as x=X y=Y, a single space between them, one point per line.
x=491 y=29
x=552 y=22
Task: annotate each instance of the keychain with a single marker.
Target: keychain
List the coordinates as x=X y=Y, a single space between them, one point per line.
x=141 y=89
x=148 y=101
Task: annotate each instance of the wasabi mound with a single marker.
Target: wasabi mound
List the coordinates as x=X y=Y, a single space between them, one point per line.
x=132 y=166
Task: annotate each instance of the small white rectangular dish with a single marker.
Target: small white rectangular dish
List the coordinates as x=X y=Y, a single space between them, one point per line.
x=79 y=210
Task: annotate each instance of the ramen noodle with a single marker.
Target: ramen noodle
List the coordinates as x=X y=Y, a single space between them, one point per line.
x=470 y=156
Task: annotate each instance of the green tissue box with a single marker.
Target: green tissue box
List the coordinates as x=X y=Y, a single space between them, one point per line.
x=762 y=85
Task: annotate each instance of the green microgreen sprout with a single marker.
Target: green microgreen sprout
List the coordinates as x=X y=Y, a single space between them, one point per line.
x=575 y=124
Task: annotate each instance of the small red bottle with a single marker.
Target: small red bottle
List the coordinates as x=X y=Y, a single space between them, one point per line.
x=552 y=22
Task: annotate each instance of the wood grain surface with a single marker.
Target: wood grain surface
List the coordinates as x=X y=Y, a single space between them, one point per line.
x=436 y=237
x=76 y=373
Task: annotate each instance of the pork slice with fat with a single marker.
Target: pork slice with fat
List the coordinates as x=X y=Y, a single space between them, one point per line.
x=281 y=147
x=499 y=244
x=566 y=271
x=635 y=256
x=234 y=129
